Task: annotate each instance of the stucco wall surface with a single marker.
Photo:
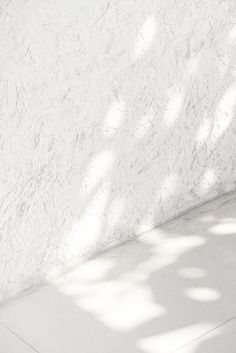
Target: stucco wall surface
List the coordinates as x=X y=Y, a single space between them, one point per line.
x=115 y=115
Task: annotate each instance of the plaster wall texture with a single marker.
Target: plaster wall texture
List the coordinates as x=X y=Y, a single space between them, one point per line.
x=115 y=116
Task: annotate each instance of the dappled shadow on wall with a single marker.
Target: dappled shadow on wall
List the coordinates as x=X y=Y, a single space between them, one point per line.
x=171 y=123
x=166 y=139
x=149 y=129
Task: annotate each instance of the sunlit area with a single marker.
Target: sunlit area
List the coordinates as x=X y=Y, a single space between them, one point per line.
x=224 y=113
x=114 y=118
x=118 y=176
x=171 y=290
x=145 y=37
x=173 y=107
x=208 y=180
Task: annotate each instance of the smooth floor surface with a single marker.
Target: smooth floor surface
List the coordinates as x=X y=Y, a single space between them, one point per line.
x=172 y=290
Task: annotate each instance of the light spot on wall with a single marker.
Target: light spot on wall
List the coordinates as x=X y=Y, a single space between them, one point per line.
x=203 y=294
x=168 y=187
x=145 y=38
x=208 y=181
x=224 y=112
x=192 y=65
x=114 y=118
x=86 y=232
x=173 y=108
x=203 y=131
x=165 y=191
x=98 y=169
x=232 y=35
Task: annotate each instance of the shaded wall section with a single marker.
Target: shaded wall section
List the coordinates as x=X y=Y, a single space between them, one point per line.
x=115 y=117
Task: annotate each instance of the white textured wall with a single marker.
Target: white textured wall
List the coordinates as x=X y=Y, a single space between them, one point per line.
x=115 y=116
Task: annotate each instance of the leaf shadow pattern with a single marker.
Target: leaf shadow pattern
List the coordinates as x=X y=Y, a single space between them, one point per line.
x=165 y=69
x=173 y=289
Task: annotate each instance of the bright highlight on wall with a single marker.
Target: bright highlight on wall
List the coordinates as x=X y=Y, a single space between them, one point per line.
x=145 y=38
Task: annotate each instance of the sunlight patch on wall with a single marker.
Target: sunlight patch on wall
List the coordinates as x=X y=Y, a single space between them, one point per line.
x=114 y=118
x=86 y=231
x=192 y=65
x=207 y=182
x=145 y=38
x=168 y=186
x=98 y=169
x=203 y=132
x=224 y=113
x=166 y=191
x=232 y=35
x=173 y=108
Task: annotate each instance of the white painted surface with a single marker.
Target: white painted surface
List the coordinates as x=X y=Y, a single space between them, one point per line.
x=171 y=290
x=10 y=343
x=115 y=116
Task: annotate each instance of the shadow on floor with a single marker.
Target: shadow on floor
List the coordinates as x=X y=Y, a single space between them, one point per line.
x=173 y=289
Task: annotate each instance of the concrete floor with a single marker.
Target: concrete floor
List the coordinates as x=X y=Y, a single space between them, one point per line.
x=172 y=290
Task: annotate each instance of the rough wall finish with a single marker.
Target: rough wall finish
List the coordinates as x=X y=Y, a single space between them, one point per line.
x=116 y=115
